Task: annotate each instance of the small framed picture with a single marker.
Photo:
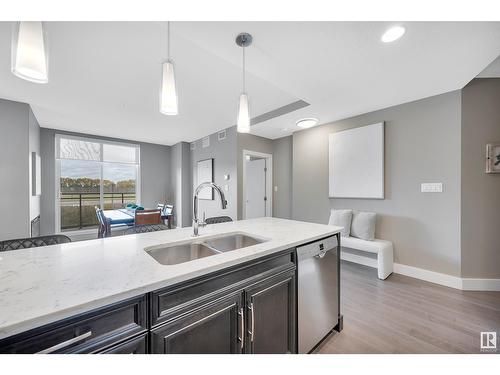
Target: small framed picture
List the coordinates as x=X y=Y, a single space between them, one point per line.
x=493 y=158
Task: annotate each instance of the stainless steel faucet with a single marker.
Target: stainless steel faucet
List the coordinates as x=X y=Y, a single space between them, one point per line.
x=223 y=201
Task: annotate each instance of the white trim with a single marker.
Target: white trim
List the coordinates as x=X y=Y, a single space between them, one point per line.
x=430 y=276
x=426 y=275
x=481 y=284
x=57 y=184
x=269 y=181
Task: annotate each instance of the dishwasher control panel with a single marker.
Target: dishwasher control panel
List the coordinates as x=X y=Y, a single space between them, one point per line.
x=317 y=248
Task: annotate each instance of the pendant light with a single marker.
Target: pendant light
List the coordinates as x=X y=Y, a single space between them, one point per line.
x=168 y=92
x=243 y=125
x=29 y=55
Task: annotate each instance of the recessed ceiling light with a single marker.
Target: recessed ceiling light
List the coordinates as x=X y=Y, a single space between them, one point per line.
x=393 y=34
x=284 y=129
x=307 y=122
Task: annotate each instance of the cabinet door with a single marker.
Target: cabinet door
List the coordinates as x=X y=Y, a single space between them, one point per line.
x=214 y=328
x=271 y=316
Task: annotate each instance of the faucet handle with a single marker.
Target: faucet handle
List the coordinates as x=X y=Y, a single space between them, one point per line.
x=203 y=223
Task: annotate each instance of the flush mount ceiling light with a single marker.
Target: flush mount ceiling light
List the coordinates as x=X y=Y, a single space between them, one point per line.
x=393 y=34
x=243 y=125
x=29 y=55
x=307 y=122
x=168 y=91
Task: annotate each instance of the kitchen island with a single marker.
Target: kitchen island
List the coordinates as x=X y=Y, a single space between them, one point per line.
x=110 y=295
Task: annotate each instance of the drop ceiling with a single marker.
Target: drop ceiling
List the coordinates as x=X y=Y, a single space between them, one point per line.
x=104 y=76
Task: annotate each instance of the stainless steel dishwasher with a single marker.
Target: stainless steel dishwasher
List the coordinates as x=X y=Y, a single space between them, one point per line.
x=318 y=291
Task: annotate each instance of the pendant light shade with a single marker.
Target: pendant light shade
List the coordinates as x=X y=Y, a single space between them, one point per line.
x=29 y=54
x=243 y=124
x=168 y=91
x=168 y=94
x=243 y=115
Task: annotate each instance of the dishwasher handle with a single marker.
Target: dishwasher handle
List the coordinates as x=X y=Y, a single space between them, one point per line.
x=321 y=254
x=317 y=249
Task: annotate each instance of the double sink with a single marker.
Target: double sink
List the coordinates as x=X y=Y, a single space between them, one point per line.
x=196 y=249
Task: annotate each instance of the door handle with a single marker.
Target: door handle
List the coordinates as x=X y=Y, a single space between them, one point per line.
x=66 y=343
x=242 y=328
x=252 y=332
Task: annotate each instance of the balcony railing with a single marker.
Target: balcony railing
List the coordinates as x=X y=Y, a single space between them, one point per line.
x=77 y=209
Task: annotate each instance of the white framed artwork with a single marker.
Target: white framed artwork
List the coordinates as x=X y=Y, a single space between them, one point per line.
x=205 y=174
x=356 y=162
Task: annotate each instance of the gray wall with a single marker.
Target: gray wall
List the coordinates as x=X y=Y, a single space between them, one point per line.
x=224 y=154
x=252 y=143
x=422 y=141
x=14 y=170
x=180 y=183
x=480 y=191
x=282 y=177
x=228 y=159
x=155 y=173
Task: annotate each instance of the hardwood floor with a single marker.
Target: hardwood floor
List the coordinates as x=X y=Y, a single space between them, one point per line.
x=406 y=315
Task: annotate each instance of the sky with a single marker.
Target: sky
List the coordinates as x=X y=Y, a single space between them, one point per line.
x=90 y=169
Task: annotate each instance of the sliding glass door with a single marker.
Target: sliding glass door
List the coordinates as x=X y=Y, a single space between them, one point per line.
x=93 y=173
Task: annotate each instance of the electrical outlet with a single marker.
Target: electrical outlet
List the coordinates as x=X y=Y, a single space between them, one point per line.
x=431 y=187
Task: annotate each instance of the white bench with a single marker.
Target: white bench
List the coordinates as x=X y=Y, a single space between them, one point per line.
x=382 y=248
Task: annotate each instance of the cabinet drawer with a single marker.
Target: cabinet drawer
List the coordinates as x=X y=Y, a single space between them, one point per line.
x=136 y=345
x=85 y=333
x=172 y=301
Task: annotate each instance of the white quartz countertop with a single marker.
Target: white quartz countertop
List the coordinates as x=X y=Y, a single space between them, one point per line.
x=46 y=284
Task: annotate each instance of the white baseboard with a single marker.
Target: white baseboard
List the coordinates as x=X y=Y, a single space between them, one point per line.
x=430 y=276
x=492 y=285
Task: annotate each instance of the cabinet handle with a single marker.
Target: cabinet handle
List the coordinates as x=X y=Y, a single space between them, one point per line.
x=242 y=328
x=66 y=343
x=253 y=322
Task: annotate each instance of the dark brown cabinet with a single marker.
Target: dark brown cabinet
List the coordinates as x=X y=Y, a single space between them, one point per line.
x=270 y=307
x=215 y=328
x=258 y=319
x=248 y=308
x=89 y=332
x=136 y=345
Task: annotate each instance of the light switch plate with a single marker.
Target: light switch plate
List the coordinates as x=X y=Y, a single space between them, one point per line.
x=431 y=187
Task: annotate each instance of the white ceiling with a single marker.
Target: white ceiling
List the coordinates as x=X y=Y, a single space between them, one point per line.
x=104 y=76
x=492 y=70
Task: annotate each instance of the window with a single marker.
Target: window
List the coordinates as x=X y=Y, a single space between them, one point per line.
x=91 y=173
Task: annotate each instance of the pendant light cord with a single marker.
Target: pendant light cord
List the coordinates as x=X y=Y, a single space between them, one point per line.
x=244 y=88
x=168 y=40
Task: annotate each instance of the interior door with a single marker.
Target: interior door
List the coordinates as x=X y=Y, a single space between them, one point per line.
x=255 y=188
